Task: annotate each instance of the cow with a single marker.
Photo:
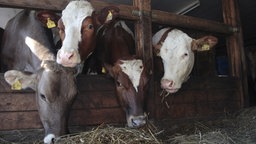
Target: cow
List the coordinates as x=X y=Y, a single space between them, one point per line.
x=77 y=28
x=28 y=44
x=115 y=54
x=176 y=50
x=29 y=54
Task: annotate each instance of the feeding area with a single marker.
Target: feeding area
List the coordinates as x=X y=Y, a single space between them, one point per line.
x=126 y=72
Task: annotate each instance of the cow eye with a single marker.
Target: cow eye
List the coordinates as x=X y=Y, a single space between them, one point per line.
x=118 y=84
x=90 y=26
x=185 y=54
x=42 y=97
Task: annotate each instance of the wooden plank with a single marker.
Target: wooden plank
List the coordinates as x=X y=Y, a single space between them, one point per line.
x=84 y=82
x=95 y=82
x=19 y=120
x=132 y=13
x=26 y=101
x=31 y=120
x=235 y=47
x=97 y=116
x=209 y=109
x=96 y=100
x=125 y=10
x=200 y=96
x=17 y=102
x=143 y=31
x=183 y=21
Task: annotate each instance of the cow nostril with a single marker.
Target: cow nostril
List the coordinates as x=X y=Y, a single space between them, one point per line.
x=71 y=55
x=134 y=122
x=138 y=122
x=170 y=83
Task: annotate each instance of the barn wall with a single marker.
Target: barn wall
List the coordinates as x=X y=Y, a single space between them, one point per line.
x=203 y=95
x=96 y=103
x=6 y=14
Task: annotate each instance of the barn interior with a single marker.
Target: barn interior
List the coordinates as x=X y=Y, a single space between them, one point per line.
x=220 y=82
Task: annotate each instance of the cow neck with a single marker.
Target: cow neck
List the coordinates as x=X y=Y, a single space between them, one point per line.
x=164 y=36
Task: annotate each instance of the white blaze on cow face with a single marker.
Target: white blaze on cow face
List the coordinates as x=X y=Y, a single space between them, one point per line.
x=178 y=59
x=72 y=18
x=133 y=69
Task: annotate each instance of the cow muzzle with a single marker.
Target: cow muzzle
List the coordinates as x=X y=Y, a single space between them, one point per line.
x=68 y=58
x=169 y=86
x=49 y=139
x=136 y=121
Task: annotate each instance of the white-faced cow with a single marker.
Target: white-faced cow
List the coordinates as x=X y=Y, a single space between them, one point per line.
x=115 y=50
x=77 y=28
x=176 y=49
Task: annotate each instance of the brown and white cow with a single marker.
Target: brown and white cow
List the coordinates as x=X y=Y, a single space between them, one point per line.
x=77 y=28
x=115 y=50
x=177 y=49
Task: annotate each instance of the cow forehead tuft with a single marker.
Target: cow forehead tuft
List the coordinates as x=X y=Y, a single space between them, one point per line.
x=76 y=10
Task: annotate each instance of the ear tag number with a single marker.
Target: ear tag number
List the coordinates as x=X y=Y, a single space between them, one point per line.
x=50 y=23
x=16 y=85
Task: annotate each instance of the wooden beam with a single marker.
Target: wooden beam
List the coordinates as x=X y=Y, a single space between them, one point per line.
x=235 y=46
x=143 y=39
x=58 y=5
x=183 y=21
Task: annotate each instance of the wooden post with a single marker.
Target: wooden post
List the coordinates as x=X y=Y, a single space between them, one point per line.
x=235 y=47
x=143 y=41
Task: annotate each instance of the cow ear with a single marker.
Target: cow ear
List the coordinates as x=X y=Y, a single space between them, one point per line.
x=107 y=14
x=20 y=80
x=48 y=18
x=204 y=43
x=157 y=49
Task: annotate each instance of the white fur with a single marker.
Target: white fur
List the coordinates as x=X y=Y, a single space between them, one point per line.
x=158 y=36
x=133 y=68
x=48 y=138
x=38 y=49
x=72 y=17
x=177 y=67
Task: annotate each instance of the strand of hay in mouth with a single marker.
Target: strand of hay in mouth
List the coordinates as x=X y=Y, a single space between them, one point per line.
x=110 y=135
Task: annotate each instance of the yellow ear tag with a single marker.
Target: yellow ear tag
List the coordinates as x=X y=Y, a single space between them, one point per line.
x=110 y=16
x=16 y=85
x=205 y=47
x=103 y=70
x=50 y=23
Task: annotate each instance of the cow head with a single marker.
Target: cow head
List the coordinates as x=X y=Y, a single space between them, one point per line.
x=77 y=28
x=131 y=85
x=177 y=53
x=55 y=89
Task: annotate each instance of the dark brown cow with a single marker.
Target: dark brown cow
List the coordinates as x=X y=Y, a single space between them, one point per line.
x=115 y=49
